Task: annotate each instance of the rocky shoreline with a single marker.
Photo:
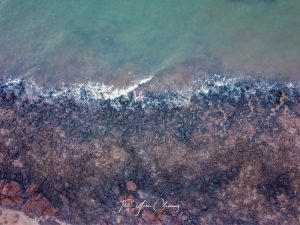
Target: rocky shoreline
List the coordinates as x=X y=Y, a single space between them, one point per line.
x=228 y=155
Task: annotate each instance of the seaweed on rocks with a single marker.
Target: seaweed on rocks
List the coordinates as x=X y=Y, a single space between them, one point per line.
x=223 y=153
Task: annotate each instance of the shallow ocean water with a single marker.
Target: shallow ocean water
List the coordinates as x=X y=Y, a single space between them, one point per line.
x=112 y=41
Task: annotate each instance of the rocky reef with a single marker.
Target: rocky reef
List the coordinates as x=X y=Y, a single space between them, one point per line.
x=228 y=153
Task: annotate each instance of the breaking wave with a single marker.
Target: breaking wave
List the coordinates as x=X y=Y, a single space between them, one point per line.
x=230 y=89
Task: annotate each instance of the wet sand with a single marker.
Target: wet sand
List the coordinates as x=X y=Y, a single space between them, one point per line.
x=224 y=152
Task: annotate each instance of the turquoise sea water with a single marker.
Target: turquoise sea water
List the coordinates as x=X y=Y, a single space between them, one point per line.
x=75 y=41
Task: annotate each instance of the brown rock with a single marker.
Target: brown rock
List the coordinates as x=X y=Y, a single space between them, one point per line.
x=37 y=206
x=7 y=202
x=130 y=197
x=12 y=202
x=32 y=189
x=131 y=186
x=148 y=216
x=51 y=211
x=11 y=189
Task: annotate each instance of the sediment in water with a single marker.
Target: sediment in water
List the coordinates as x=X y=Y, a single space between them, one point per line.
x=227 y=153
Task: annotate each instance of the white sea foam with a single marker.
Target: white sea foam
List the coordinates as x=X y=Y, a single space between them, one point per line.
x=84 y=93
x=91 y=90
x=97 y=91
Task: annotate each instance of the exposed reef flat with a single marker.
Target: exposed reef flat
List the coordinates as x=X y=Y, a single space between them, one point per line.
x=225 y=152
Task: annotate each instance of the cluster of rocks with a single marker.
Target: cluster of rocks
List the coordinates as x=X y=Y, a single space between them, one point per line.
x=29 y=200
x=229 y=155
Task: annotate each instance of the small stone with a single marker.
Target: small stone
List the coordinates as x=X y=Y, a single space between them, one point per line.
x=206 y=178
x=116 y=190
x=17 y=163
x=131 y=186
x=11 y=189
x=64 y=200
x=148 y=216
x=184 y=217
x=7 y=202
x=123 y=197
x=32 y=188
x=12 y=202
x=37 y=206
x=51 y=211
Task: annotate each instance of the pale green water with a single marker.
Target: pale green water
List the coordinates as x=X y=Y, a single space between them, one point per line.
x=102 y=39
